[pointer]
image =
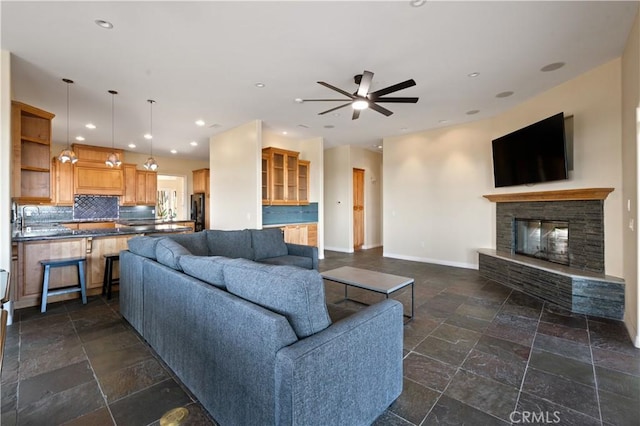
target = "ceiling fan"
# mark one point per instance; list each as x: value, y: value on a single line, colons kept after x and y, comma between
x: 363, y: 99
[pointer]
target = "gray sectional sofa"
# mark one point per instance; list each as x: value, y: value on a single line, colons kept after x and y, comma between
x: 249, y: 334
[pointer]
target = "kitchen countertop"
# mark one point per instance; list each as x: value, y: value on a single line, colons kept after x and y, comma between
x: 54, y: 232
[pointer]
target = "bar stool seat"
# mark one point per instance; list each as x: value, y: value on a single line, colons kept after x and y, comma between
x: 80, y: 263
x: 108, y: 279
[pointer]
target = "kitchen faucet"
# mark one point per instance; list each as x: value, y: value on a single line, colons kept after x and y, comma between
x: 22, y: 218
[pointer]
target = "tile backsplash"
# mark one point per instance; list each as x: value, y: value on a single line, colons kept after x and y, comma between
x: 280, y: 215
x: 95, y: 207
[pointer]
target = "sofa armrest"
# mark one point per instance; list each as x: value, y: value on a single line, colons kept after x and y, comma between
x: 348, y: 373
x: 305, y: 251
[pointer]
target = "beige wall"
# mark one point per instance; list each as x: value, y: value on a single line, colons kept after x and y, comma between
x: 235, y: 164
x: 5, y: 166
x: 630, y: 132
x: 434, y: 180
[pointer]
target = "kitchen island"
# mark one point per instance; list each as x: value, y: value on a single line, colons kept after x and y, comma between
x: 53, y: 241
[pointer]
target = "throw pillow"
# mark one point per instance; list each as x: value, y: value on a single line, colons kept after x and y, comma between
x: 296, y: 293
x: 143, y: 246
x: 168, y: 253
x: 268, y: 243
x: 207, y: 269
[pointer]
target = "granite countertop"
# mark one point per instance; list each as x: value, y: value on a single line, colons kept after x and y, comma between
x: 54, y: 232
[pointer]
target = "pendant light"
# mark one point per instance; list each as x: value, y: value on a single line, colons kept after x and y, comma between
x: 112, y: 158
x: 67, y: 154
x: 151, y: 163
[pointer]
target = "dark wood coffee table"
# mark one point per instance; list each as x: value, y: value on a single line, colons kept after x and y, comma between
x: 369, y: 280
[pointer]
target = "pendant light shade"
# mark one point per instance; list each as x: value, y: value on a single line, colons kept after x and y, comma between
x: 151, y: 163
x: 112, y: 159
x: 67, y: 154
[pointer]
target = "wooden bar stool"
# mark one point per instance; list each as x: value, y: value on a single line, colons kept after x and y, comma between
x: 108, y: 279
x: 79, y: 262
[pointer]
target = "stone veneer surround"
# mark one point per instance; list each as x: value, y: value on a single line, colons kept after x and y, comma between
x: 586, y: 227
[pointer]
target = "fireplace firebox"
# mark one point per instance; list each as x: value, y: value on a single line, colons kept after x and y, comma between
x: 543, y: 239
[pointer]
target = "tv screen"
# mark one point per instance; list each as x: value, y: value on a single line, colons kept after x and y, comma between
x: 533, y: 154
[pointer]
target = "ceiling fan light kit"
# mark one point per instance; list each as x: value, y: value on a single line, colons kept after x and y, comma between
x: 363, y: 99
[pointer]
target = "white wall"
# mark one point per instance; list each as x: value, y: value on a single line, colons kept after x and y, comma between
x: 630, y: 139
x: 338, y: 220
x: 371, y: 162
x: 5, y: 166
x: 434, y: 180
x: 235, y: 164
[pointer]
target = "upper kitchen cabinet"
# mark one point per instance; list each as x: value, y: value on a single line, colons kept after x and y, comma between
x: 303, y: 182
x: 31, y: 153
x: 130, y: 185
x: 61, y: 183
x: 93, y: 176
x: 201, y: 181
x: 146, y: 187
x: 281, y: 176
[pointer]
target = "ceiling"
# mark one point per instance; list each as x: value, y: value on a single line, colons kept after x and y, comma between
x: 202, y: 60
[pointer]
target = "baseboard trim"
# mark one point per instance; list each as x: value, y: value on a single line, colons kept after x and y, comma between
x: 340, y: 249
x: 429, y: 260
x: 633, y: 331
x: 367, y: 247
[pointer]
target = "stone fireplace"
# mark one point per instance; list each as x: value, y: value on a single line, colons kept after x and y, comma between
x: 551, y: 245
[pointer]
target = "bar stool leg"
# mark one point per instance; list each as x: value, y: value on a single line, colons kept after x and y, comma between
x: 105, y: 278
x: 45, y: 289
x: 83, y: 288
x: 110, y: 279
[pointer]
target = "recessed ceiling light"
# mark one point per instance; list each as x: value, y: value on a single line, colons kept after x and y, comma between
x: 90, y: 126
x: 132, y: 145
x: 552, y: 67
x: 148, y: 136
x: 504, y: 94
x: 473, y: 111
x: 79, y: 138
x: 200, y: 123
x: 193, y: 143
x: 260, y: 85
x: 417, y: 3
x: 103, y: 24
x: 284, y: 133
x: 173, y: 151
x: 379, y: 146
x: 473, y: 74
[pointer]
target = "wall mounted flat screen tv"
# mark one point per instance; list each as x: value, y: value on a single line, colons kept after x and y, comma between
x: 533, y: 154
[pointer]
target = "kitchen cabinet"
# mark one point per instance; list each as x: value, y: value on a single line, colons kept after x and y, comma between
x: 266, y: 183
x: 305, y: 234
x: 130, y: 185
x: 95, y: 154
x: 146, y: 187
x: 62, y: 183
x: 303, y: 182
x: 97, y: 247
x: 281, y: 176
x: 93, y: 179
x: 30, y: 154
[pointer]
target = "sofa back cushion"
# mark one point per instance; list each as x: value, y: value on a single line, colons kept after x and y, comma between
x: 143, y: 246
x: 268, y: 243
x: 232, y: 244
x: 205, y: 268
x: 295, y: 293
x: 195, y: 242
x: 168, y: 252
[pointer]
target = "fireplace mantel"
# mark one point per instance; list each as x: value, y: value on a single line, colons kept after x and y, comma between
x: 560, y: 195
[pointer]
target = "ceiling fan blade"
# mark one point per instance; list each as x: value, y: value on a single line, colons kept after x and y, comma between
x: 347, y: 94
x: 365, y: 84
x: 333, y: 109
x: 324, y: 100
x: 380, y: 109
x: 391, y: 89
x: 398, y: 100
x: 356, y: 114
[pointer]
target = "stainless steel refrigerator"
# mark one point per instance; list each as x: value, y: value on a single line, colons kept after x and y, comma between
x: 198, y: 211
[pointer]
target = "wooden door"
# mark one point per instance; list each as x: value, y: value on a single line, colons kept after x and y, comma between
x: 358, y: 208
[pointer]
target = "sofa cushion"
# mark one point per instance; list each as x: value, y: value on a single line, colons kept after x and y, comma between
x: 195, y: 242
x: 299, y: 261
x: 205, y: 268
x: 268, y: 243
x: 168, y: 253
x: 232, y: 244
x: 296, y: 293
x: 143, y: 246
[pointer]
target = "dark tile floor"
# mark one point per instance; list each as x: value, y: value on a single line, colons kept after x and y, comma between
x: 476, y: 353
